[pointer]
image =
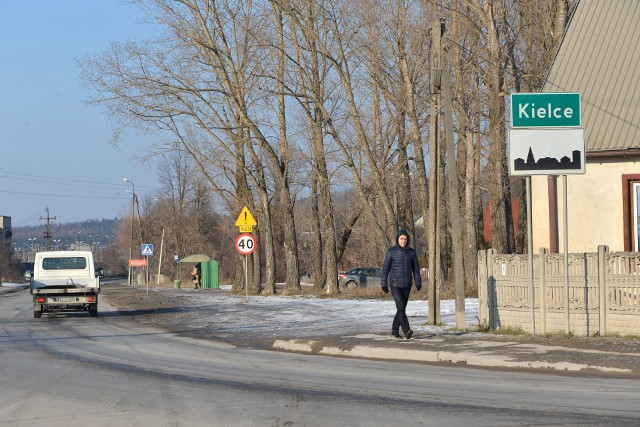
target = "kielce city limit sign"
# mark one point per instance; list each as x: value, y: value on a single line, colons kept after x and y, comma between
x: 546, y: 137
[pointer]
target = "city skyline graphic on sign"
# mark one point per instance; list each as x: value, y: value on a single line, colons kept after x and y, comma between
x: 548, y: 163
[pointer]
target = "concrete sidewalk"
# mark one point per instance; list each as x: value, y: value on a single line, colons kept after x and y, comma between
x: 617, y: 357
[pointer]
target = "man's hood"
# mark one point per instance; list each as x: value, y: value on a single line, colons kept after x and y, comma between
x: 403, y: 233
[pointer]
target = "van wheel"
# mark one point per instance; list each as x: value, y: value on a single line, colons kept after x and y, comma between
x: 37, y: 314
x: 93, y: 310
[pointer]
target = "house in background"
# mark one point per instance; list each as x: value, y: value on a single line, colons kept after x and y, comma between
x: 5, y: 227
x: 599, y: 57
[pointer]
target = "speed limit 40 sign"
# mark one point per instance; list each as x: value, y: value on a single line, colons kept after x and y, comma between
x: 245, y: 244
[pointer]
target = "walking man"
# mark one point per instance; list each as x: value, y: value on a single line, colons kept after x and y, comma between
x: 399, y: 268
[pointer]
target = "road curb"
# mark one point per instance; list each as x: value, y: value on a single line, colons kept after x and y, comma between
x: 431, y: 356
x: 11, y: 289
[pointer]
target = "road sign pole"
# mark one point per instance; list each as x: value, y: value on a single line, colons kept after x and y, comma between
x: 147, y: 274
x: 532, y: 292
x: 566, y: 253
x: 246, y: 279
x: 245, y: 245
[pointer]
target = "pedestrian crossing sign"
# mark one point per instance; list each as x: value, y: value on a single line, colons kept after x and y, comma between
x: 147, y: 249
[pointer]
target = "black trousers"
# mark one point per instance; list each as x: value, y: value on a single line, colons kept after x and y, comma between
x: 401, y: 297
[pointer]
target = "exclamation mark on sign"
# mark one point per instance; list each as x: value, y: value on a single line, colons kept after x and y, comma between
x: 245, y: 217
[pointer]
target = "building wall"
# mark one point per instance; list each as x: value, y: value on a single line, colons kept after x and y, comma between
x: 5, y: 227
x: 594, y: 206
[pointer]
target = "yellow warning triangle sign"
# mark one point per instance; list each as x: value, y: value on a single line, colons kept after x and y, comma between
x: 245, y: 218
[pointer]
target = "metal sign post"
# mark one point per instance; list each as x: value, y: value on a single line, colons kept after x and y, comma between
x: 246, y: 280
x: 245, y: 245
x: 532, y: 292
x: 147, y: 251
x: 245, y: 242
x: 147, y: 278
x: 566, y: 254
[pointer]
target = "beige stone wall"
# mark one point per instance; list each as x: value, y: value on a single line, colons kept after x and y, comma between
x: 580, y: 323
x: 594, y: 207
x: 601, y: 279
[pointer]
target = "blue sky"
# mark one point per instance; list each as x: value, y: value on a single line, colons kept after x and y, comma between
x: 55, y: 149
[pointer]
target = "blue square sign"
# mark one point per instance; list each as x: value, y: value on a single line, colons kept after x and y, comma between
x: 147, y: 249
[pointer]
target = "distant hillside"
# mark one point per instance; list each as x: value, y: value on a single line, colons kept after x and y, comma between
x: 102, y: 230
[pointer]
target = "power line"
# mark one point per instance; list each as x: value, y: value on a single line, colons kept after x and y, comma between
x: 70, y: 181
x: 63, y: 195
x: 504, y: 70
x: 48, y: 181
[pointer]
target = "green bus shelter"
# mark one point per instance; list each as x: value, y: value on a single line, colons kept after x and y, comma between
x: 208, y: 270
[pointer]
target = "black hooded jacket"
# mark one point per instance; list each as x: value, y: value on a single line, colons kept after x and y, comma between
x: 400, y: 265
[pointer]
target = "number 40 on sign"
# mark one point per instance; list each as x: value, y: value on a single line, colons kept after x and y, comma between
x: 245, y: 244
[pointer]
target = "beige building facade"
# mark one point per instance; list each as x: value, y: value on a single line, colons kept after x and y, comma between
x: 598, y: 58
x: 601, y: 208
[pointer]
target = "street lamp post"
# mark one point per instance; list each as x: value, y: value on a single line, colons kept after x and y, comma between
x: 133, y: 197
x: 77, y: 232
x: 32, y: 242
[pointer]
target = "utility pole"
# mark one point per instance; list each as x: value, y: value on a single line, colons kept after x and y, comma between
x: 47, y: 233
x: 441, y: 84
x: 454, y: 196
x: 133, y: 197
x: 146, y: 267
x: 160, y: 262
x: 434, y: 162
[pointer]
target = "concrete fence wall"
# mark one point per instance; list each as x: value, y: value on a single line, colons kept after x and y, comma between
x: 604, y: 292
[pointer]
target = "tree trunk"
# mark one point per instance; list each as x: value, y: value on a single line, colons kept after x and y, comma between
x: 318, y: 274
x: 470, y: 232
x: 327, y: 221
x: 292, y: 283
x: 499, y: 188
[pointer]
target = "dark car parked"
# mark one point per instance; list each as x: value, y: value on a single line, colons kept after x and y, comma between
x: 360, y: 277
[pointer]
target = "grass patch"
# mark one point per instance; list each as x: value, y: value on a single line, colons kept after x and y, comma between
x: 617, y: 335
x: 559, y: 334
x: 518, y: 331
x: 509, y: 330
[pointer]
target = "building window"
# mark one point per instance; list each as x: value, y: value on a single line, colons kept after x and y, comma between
x: 636, y: 212
x: 631, y: 212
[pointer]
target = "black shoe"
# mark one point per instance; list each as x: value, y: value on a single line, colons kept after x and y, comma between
x: 409, y: 334
x: 396, y: 334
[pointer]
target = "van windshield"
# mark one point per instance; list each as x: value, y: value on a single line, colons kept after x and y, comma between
x: 66, y: 263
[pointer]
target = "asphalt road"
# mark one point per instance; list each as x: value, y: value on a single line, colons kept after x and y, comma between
x: 75, y: 370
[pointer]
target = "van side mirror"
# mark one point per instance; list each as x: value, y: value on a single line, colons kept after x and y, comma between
x: 100, y: 272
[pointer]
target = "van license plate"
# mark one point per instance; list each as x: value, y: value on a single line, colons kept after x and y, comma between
x: 66, y: 299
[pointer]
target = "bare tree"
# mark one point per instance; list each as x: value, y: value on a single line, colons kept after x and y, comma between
x: 205, y: 93
x: 238, y: 86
